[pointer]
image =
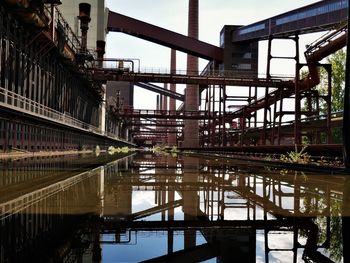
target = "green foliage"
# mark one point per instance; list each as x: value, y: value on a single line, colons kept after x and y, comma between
x: 296, y: 156
x: 332, y: 209
x: 97, y: 150
x: 337, y: 61
x: 166, y: 150
x: 81, y: 147
x: 113, y: 150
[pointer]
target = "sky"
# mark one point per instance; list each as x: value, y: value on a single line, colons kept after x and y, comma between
x: 213, y: 15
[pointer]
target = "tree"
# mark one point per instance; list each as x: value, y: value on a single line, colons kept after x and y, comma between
x: 337, y: 61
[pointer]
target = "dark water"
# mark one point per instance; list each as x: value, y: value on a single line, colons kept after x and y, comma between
x: 154, y: 208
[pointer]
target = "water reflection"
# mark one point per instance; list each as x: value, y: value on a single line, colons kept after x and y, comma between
x: 165, y: 209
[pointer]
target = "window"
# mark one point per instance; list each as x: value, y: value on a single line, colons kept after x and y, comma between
x: 251, y: 29
x: 312, y: 12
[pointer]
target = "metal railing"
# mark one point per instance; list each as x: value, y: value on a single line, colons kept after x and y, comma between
x: 20, y: 103
x: 71, y: 38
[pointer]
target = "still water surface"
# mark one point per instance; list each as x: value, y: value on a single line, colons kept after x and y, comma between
x: 151, y: 208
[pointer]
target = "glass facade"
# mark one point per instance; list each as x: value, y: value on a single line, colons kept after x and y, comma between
x: 321, y: 9
x: 324, y: 9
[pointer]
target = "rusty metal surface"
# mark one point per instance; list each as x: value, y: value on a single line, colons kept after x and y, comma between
x: 161, y: 90
x: 167, y: 114
x: 114, y: 75
x: 140, y: 29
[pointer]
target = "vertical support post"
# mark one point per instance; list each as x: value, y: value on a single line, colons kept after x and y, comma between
x: 329, y: 103
x: 297, y: 126
x: 243, y: 124
x: 172, y: 102
x: 224, y: 139
x: 265, y: 116
x: 346, y: 113
x: 297, y: 134
x: 280, y: 117
x: 255, y: 113
x: 220, y: 116
x: 269, y: 57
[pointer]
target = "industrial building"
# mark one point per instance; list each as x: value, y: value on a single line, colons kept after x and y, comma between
x: 228, y: 194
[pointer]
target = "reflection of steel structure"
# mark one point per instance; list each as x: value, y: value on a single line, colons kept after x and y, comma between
x: 226, y: 205
x: 42, y: 202
x: 235, y: 202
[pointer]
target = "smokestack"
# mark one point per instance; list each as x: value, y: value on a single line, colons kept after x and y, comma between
x: 84, y: 17
x: 172, y: 102
x: 191, y: 129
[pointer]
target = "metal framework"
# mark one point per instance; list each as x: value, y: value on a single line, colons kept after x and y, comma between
x: 47, y: 98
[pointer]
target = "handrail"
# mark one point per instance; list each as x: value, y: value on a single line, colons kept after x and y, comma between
x: 72, y: 39
x: 12, y: 100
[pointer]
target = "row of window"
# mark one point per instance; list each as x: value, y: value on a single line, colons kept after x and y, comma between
x: 252, y: 29
x: 327, y: 8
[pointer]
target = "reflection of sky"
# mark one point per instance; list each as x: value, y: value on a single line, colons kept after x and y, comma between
x: 277, y: 240
x: 145, y: 245
x: 143, y: 200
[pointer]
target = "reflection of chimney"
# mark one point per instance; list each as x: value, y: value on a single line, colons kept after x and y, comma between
x: 84, y: 17
x: 100, y: 50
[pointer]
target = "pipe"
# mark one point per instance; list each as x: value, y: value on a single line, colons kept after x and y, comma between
x: 100, y: 50
x: 84, y: 17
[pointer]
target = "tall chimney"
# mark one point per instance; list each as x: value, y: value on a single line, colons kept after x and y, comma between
x: 172, y: 102
x: 191, y: 129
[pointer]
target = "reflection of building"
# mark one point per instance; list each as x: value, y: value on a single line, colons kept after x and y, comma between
x: 137, y: 202
x: 97, y: 26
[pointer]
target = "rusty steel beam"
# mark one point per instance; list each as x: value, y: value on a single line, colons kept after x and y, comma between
x: 152, y: 132
x: 166, y: 114
x: 166, y: 124
x: 121, y: 23
x: 113, y: 75
x: 161, y: 90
